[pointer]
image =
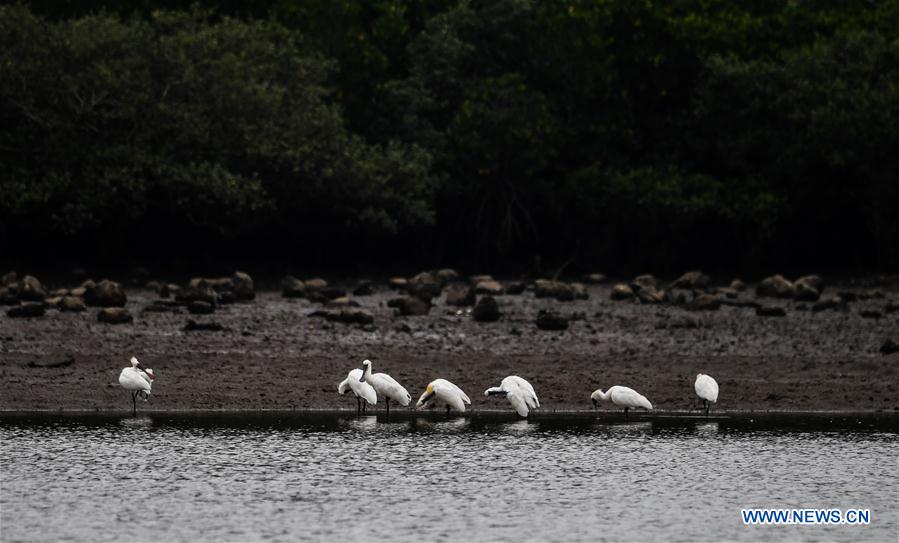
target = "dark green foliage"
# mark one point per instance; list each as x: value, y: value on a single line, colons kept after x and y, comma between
x: 626, y: 134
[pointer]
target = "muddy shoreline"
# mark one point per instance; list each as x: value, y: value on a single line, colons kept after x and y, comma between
x: 273, y: 355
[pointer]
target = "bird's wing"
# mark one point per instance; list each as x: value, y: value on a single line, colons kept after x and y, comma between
x: 130, y: 380
x: 628, y: 397
x: 707, y: 388
x: 530, y: 396
x: 364, y: 391
x: 518, y: 402
x: 451, y: 395
x: 344, y: 386
x: 387, y: 386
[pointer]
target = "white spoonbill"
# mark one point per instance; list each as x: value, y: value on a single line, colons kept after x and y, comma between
x: 355, y: 381
x: 622, y: 397
x: 386, y: 386
x: 519, y: 392
x: 138, y: 380
x: 441, y: 392
x: 707, y: 390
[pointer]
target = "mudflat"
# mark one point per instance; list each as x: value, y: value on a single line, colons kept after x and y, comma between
x: 274, y: 354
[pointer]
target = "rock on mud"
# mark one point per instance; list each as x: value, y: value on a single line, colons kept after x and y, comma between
x: 410, y: 306
x: 491, y: 287
x: 692, y: 280
x: 765, y: 311
x: 106, y: 293
x: 550, y: 320
x: 115, y: 315
x: 621, y: 292
x: 26, y: 310
x: 460, y: 295
x: 31, y: 290
x: 198, y: 307
x: 775, y: 286
x: 487, y: 310
x: 291, y: 287
x: 706, y: 302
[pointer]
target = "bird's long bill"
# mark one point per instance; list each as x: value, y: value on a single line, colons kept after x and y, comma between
x: 424, y: 399
x: 362, y: 379
x: 150, y: 374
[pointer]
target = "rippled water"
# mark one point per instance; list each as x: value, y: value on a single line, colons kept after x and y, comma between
x: 327, y: 477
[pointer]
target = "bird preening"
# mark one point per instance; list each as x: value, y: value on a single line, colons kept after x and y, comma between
x: 518, y: 391
x: 138, y: 380
x: 368, y: 386
x: 442, y: 393
x: 707, y: 390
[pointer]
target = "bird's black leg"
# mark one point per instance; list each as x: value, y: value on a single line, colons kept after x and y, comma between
x: 134, y: 404
x: 447, y: 411
x: 364, y: 402
x: 387, y: 401
x: 625, y: 413
x: 707, y: 405
x: 358, y: 407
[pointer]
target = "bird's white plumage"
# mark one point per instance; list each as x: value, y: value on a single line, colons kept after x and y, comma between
x: 706, y: 388
x: 361, y: 390
x: 386, y: 386
x: 441, y: 392
x: 519, y: 392
x: 134, y: 378
x: 622, y: 397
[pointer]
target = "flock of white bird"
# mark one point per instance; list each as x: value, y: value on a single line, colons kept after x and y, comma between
x: 367, y: 387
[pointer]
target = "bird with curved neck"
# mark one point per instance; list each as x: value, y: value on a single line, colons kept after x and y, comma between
x: 625, y: 397
x: 138, y: 380
x: 364, y: 393
x: 385, y: 386
x: 441, y: 392
x: 518, y: 391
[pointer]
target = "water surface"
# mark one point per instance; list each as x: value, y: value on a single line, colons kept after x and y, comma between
x: 288, y: 477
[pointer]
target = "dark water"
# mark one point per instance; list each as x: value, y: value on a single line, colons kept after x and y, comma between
x: 328, y: 477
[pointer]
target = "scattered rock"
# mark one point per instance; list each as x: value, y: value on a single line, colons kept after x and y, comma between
x: 9, y: 278
x: 460, y: 295
x: 31, y: 290
x: 242, y: 286
x: 491, y: 287
x: 26, y: 310
x: 194, y: 326
x: 728, y: 292
x: 889, y: 347
x: 547, y: 288
x: 870, y: 314
x: 350, y: 315
x: 644, y: 281
x: 775, y: 286
x: 114, y: 315
x: 163, y: 306
x: 397, y: 283
x: 579, y: 291
x: 343, y: 301
x: 364, y: 288
x: 8, y: 296
x: 72, y: 304
x: 424, y: 290
x: 765, y: 311
x: 692, y: 280
x: 67, y: 361
x: 847, y: 295
x: 59, y: 293
x: 410, y: 306
x: 324, y: 295
x: 550, y: 320
x: 446, y: 275
x: 834, y: 302
x: 814, y: 281
x: 738, y: 285
x: 197, y: 291
x: 106, y: 293
x: 475, y: 279
x: 315, y: 284
x: 805, y: 292
x: 594, y: 278
x: 706, y: 302
x: 291, y: 287
x: 198, y: 307
x: 651, y: 295
x: 515, y: 288
x: 892, y: 306
x: 622, y: 292
x: 487, y: 310
x: 872, y: 294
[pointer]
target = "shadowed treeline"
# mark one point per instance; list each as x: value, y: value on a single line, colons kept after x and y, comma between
x: 628, y: 135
